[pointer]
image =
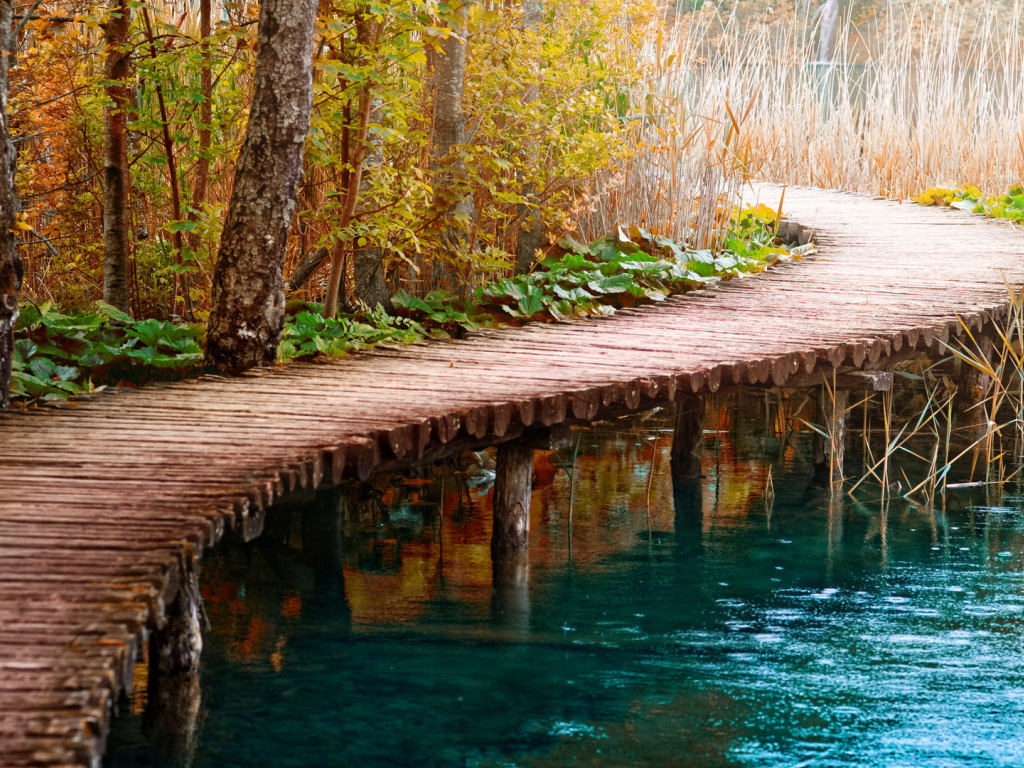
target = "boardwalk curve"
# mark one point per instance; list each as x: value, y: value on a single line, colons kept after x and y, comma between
x: 101, y: 500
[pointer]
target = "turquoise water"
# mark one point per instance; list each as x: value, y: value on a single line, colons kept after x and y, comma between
x: 712, y: 627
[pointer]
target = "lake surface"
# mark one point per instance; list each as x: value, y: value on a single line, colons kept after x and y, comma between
x: 680, y: 624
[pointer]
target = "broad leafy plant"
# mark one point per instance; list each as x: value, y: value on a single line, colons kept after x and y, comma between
x: 1006, y: 206
x: 59, y: 355
x: 632, y: 266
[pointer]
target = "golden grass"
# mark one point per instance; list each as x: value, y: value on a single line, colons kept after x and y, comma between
x: 912, y: 99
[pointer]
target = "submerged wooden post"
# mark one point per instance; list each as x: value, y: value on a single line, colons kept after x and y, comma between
x: 172, y: 713
x: 179, y: 643
x: 973, y: 386
x: 512, y: 499
x: 172, y: 717
x: 510, y: 599
x: 688, y: 499
x: 688, y: 436
x: 829, y: 451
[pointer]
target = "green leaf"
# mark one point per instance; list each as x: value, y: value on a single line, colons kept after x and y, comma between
x: 112, y: 312
x: 531, y: 304
x: 33, y: 386
x: 43, y: 367
x: 24, y: 349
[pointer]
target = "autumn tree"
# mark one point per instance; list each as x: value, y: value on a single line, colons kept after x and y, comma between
x: 247, y: 305
x: 201, y: 179
x: 10, y: 263
x: 531, y: 231
x: 117, y: 227
x: 449, y: 131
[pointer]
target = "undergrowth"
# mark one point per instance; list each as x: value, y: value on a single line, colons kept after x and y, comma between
x: 59, y: 355
x: 1006, y: 206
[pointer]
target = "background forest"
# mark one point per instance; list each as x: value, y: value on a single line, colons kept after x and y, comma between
x: 455, y: 145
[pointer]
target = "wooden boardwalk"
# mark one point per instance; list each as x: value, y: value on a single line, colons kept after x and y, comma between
x: 99, y: 498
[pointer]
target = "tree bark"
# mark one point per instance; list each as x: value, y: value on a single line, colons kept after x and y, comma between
x: 370, y: 286
x: 307, y: 265
x: 10, y: 262
x: 201, y: 179
x: 334, y: 280
x: 247, y: 306
x: 117, y: 223
x: 449, y: 130
x: 531, y: 231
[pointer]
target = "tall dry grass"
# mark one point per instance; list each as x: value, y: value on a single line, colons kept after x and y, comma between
x: 911, y: 99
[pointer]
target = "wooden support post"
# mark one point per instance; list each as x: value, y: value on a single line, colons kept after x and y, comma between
x: 510, y: 599
x: 973, y: 387
x: 688, y: 498
x: 172, y: 717
x: 172, y: 713
x: 179, y: 643
x: 512, y: 499
x: 689, y: 434
x: 829, y: 451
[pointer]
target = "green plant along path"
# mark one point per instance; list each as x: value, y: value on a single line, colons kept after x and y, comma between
x: 59, y: 355
x: 1007, y: 206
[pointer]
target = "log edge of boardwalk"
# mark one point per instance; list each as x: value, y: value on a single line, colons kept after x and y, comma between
x: 104, y: 500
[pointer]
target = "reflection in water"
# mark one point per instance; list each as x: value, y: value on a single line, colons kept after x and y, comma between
x: 716, y: 626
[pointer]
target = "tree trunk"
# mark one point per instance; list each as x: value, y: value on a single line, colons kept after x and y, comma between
x: 247, y: 306
x: 10, y: 263
x: 368, y: 263
x: 117, y: 223
x: 366, y: 33
x: 449, y: 130
x: 531, y: 230
x: 172, y: 173
x: 307, y: 265
x: 201, y: 180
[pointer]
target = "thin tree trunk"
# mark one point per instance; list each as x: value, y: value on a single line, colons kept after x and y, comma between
x: 366, y: 32
x: 201, y: 180
x: 172, y: 172
x: 348, y: 209
x: 10, y: 263
x: 117, y: 226
x: 531, y: 231
x: 247, y: 305
x: 307, y: 265
x: 369, y: 285
x: 449, y: 130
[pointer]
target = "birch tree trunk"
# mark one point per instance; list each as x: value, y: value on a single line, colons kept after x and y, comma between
x: 247, y: 305
x: 449, y: 130
x: 531, y: 231
x: 10, y: 263
x: 368, y: 263
x: 117, y: 221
